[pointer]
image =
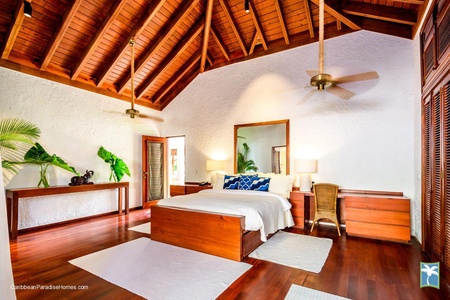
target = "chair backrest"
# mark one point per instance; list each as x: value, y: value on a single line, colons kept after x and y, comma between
x: 326, y: 196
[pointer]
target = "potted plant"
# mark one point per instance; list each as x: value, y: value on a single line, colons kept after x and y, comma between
x: 117, y: 166
x: 16, y: 138
x: 243, y: 163
x: 38, y: 156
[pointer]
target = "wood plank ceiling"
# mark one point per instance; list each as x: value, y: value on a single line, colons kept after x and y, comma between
x: 85, y: 43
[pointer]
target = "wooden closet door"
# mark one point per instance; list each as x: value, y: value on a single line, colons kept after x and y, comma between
x: 446, y: 172
x: 427, y: 173
x: 436, y: 180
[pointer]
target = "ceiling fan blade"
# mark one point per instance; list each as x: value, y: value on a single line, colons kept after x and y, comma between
x: 312, y: 73
x: 340, y: 92
x: 151, y: 118
x: 357, y: 77
x: 307, y: 96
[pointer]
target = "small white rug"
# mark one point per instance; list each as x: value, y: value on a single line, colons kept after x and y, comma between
x: 297, y: 292
x: 155, y: 270
x: 144, y: 228
x: 295, y: 250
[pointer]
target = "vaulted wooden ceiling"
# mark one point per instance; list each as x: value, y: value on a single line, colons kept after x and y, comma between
x: 85, y: 43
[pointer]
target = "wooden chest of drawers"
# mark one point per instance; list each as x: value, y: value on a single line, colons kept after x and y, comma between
x: 384, y: 218
x: 300, y: 209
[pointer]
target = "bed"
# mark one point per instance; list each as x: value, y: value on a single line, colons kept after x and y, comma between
x: 226, y: 223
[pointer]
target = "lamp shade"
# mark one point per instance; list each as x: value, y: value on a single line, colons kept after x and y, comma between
x: 215, y: 165
x: 305, y: 166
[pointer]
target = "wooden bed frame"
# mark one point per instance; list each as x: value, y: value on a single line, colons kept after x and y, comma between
x: 213, y: 233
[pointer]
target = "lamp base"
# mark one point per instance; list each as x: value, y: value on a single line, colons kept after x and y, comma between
x: 305, y: 182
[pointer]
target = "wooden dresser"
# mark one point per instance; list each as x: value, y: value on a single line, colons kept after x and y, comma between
x: 384, y: 218
x: 369, y: 214
x: 185, y: 189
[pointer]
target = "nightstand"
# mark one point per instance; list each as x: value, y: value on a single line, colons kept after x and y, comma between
x: 300, y: 208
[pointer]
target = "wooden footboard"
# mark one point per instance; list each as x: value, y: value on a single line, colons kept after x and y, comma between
x: 217, y: 234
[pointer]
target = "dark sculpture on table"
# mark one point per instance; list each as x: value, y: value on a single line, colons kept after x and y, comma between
x: 79, y: 180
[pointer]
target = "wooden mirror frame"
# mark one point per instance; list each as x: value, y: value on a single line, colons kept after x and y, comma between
x: 286, y: 122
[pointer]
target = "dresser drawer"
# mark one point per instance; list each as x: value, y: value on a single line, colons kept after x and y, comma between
x: 378, y: 231
x: 372, y: 203
x: 378, y: 216
x: 299, y: 222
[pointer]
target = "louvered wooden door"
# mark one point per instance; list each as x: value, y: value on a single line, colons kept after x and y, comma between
x: 435, y: 63
x: 436, y: 176
x: 154, y: 164
x: 446, y: 173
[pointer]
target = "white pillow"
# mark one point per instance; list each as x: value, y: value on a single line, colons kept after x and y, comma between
x: 281, y: 184
x: 218, y: 185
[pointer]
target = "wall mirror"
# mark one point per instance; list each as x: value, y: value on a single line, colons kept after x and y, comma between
x: 265, y: 143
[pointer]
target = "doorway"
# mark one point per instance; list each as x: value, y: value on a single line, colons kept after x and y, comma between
x: 154, y: 166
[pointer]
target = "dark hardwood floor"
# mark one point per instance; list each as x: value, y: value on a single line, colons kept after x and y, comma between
x: 356, y: 268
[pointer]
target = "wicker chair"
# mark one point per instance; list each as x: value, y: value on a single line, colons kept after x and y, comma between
x: 325, y: 204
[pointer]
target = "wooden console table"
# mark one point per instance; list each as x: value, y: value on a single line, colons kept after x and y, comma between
x: 13, y: 196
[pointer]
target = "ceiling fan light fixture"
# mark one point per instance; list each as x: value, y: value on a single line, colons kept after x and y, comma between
x: 132, y: 112
x: 27, y: 9
x: 247, y: 6
x: 321, y: 81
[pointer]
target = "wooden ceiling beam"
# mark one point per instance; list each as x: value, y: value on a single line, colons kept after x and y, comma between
x: 166, y: 32
x: 331, y: 9
x: 206, y: 32
x: 254, y: 43
x: 416, y: 2
x: 219, y: 43
x: 258, y: 25
x: 393, y: 29
x: 175, y: 53
x: 233, y: 25
x: 282, y: 21
x: 177, y: 77
x: 390, y: 14
x: 297, y: 40
x: 57, y: 36
x: 309, y: 18
x: 146, y: 18
x: 113, y: 12
x: 13, y: 30
x: 189, y: 76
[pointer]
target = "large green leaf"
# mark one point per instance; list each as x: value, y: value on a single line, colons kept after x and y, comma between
x: 16, y: 138
x: 118, y: 167
x: 38, y: 156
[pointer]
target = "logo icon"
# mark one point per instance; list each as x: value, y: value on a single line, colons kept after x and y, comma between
x: 429, y: 274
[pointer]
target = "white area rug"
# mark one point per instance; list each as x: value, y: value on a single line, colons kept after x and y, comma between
x: 301, y: 292
x: 295, y: 250
x: 155, y: 270
x: 144, y: 228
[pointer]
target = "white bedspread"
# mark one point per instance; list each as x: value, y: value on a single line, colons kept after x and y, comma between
x: 263, y: 211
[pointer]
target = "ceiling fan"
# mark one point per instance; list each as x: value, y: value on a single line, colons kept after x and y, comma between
x: 323, y: 81
x: 132, y: 112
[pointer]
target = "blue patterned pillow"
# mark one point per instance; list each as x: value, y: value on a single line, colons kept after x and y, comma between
x: 262, y: 184
x: 246, y: 181
x: 231, y: 182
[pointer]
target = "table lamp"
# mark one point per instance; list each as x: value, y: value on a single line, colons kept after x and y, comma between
x: 305, y: 167
x: 214, y: 166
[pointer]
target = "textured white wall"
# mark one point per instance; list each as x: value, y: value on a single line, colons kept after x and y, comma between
x: 368, y: 142
x: 74, y: 124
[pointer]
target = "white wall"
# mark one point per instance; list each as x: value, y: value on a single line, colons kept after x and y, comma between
x: 74, y: 124
x: 367, y: 142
